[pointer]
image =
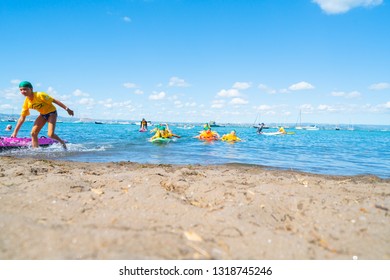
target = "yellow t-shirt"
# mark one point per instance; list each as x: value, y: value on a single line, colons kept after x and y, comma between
x: 42, y: 102
x: 230, y: 137
x: 282, y: 130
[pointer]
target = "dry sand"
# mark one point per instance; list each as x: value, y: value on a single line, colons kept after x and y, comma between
x: 72, y: 210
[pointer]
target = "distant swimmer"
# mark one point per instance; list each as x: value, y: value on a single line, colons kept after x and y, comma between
x: 8, y: 127
x: 144, y: 124
x: 260, y: 128
x: 282, y: 130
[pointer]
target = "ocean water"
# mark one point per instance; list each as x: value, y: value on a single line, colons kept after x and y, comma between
x: 365, y: 150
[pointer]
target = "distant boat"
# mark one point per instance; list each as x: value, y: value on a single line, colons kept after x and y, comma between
x: 84, y: 120
x: 98, y: 123
x: 299, y: 124
x: 254, y: 123
x: 213, y: 124
x: 10, y: 118
x: 311, y: 127
x: 259, y: 124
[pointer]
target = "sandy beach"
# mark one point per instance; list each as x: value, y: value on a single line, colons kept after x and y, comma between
x: 72, y: 210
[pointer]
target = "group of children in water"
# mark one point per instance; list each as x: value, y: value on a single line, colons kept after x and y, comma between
x: 163, y: 131
x: 208, y: 134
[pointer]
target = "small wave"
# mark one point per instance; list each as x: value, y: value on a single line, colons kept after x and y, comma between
x: 55, y: 150
x: 87, y: 147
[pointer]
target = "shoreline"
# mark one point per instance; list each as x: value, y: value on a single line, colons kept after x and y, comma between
x: 123, y: 210
x: 238, y: 164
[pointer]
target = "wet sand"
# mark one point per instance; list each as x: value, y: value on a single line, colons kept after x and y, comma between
x: 72, y: 210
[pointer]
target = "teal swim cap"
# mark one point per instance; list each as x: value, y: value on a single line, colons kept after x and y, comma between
x: 25, y: 84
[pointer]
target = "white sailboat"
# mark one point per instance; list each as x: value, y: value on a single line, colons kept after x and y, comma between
x: 311, y: 127
x: 255, y: 122
x: 299, y: 124
x: 350, y: 126
x: 257, y: 125
x: 300, y: 127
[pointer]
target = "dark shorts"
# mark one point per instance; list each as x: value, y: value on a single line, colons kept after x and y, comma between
x: 46, y: 116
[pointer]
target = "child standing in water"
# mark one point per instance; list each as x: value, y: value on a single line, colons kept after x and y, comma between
x: 43, y: 103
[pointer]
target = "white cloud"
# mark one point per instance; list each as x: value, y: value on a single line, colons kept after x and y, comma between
x: 129, y: 85
x: 173, y: 97
x: 379, y: 86
x: 228, y: 93
x: 352, y: 94
x: 337, y: 93
x: 10, y: 93
x: 107, y: 103
x: 387, y: 105
x: 178, y: 104
x: 238, y: 101
x: 301, y: 86
x: 157, y: 96
x: 87, y: 101
x: 218, y: 104
x: 266, y: 89
x: 306, y: 108
x: 343, y: 6
x: 51, y: 91
x: 177, y: 82
x: 190, y: 104
x: 6, y: 106
x: 263, y: 108
x: 326, y: 108
x: 79, y: 92
x: 241, y: 85
x: 126, y: 19
x: 138, y: 91
x: 110, y: 104
x: 283, y: 90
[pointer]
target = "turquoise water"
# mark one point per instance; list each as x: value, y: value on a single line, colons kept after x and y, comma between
x: 365, y: 150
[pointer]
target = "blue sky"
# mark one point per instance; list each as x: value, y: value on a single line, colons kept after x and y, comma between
x: 196, y: 61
